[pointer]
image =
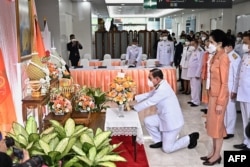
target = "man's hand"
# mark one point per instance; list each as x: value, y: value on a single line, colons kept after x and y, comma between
x: 233, y: 95
x: 25, y: 156
x: 218, y: 109
x: 3, y: 147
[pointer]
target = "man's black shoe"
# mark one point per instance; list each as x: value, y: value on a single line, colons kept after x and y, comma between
x: 189, y: 102
x: 204, y: 110
x: 194, y: 105
x: 193, y: 140
x: 240, y: 146
x: 229, y: 136
x: 156, y: 145
x: 245, y: 149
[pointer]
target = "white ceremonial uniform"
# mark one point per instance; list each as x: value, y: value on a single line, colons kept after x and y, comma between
x: 184, y: 62
x: 165, y: 52
x: 231, y: 114
x: 166, y: 125
x: 243, y: 93
x: 238, y: 49
x: 194, y: 70
x: 134, y: 53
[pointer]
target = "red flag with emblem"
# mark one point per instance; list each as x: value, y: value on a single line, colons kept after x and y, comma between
x: 7, y: 109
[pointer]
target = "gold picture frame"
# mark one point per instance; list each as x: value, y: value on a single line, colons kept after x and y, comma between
x: 24, y: 29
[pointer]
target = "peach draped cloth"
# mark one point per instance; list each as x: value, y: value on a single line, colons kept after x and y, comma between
x: 99, y: 63
x: 7, y: 109
x: 103, y: 77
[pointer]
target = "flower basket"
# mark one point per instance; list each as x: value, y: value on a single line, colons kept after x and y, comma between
x: 122, y: 91
x: 84, y: 103
x: 59, y: 104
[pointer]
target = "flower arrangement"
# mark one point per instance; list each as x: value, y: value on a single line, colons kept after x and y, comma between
x: 59, y: 104
x: 53, y: 71
x: 122, y: 90
x: 85, y: 102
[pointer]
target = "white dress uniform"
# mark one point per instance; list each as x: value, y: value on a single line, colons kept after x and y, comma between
x: 231, y: 114
x: 243, y: 93
x: 184, y: 62
x: 165, y: 52
x: 166, y: 125
x: 134, y: 53
x: 238, y: 49
x: 194, y: 70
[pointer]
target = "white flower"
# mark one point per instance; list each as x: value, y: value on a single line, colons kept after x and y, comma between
x: 58, y: 105
x: 66, y: 110
x: 88, y: 108
x: 80, y: 103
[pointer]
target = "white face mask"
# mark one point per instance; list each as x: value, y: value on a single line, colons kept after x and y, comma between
x: 164, y: 38
x: 187, y: 43
x: 191, y: 48
x: 245, y: 48
x: 182, y: 40
x: 133, y: 45
x: 211, y: 48
x: 161, y: 38
x: 238, y: 39
x: 150, y: 83
x: 203, y: 38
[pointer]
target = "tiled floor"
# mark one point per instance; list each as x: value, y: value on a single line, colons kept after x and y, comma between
x: 190, y: 157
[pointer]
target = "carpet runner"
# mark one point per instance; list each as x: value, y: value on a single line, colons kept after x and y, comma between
x: 126, y: 150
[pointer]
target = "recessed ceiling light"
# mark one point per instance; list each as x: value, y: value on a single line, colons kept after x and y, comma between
x: 122, y: 4
x: 193, y: 10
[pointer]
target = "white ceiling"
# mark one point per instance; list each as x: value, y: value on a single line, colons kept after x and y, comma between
x: 132, y: 8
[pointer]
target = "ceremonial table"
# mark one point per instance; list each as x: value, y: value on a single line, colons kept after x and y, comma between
x: 102, y: 77
x: 128, y: 125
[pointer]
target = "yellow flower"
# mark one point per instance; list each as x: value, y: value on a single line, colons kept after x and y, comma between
x: 119, y: 88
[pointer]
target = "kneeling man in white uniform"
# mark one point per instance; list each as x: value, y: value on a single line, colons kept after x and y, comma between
x: 166, y: 124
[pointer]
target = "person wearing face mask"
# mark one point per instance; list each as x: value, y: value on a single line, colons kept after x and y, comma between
x: 166, y: 124
x: 231, y: 114
x: 73, y: 47
x: 218, y: 96
x: 165, y: 51
x: 134, y: 54
x: 238, y: 44
x: 243, y: 92
x: 184, y: 66
x: 194, y: 72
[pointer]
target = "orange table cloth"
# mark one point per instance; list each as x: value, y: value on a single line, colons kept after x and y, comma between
x: 103, y: 77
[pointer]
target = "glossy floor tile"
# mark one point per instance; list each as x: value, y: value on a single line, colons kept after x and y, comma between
x: 190, y: 157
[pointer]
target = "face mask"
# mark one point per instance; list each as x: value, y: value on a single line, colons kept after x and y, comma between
x: 133, y: 45
x: 187, y: 43
x: 182, y: 40
x: 203, y: 38
x: 161, y: 39
x: 238, y: 39
x: 164, y: 38
x: 191, y: 48
x: 150, y: 83
x: 245, y: 48
x: 211, y: 48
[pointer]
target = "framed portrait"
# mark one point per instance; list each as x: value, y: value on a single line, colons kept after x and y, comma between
x: 24, y: 40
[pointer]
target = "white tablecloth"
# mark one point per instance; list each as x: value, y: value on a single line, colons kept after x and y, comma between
x: 128, y: 125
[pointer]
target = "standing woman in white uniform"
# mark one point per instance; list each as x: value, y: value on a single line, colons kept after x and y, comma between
x: 165, y: 126
x: 231, y: 113
x: 243, y: 93
x: 184, y: 66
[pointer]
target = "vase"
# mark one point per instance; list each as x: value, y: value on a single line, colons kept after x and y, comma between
x: 121, y: 110
x: 82, y: 110
x: 61, y: 112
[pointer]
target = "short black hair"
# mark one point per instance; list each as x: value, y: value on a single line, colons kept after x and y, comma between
x: 230, y: 42
x: 157, y: 73
x: 5, y: 160
x: 219, y: 36
x: 71, y: 36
